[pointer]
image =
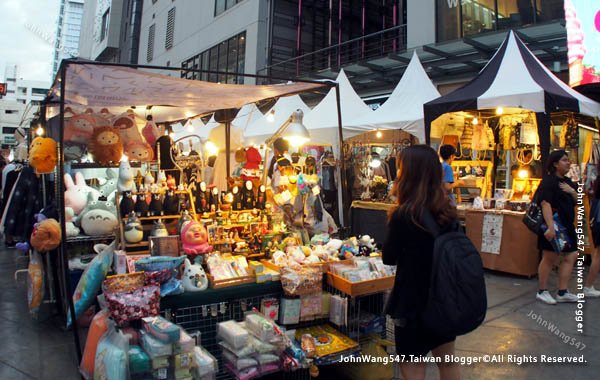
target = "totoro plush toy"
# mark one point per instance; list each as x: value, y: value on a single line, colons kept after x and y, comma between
x: 159, y: 229
x: 98, y: 217
x: 133, y: 229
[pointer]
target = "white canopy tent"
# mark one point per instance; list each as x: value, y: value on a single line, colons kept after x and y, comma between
x: 261, y: 129
x: 322, y: 121
x: 404, y: 108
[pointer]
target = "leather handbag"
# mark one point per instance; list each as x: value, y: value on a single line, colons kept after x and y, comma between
x: 534, y: 219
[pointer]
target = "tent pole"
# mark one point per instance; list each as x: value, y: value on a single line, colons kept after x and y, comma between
x: 543, y: 125
x: 60, y: 203
x: 343, y: 210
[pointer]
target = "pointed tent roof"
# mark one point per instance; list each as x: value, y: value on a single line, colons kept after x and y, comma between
x: 404, y: 108
x: 325, y: 115
x: 283, y: 108
x: 514, y: 77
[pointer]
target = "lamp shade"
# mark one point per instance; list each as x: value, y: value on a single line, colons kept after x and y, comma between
x: 296, y: 133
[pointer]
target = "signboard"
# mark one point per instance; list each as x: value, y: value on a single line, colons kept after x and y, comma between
x: 2, y: 89
x: 491, y: 233
x: 583, y: 41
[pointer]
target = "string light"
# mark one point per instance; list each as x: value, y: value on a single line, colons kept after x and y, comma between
x: 475, y: 121
x: 378, y: 134
x: 499, y: 111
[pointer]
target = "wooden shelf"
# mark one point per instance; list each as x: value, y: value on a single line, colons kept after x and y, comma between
x: 142, y: 218
x: 93, y: 165
x: 135, y: 245
x: 85, y: 238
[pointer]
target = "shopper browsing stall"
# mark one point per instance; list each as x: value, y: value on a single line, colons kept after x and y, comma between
x: 409, y: 245
x: 448, y: 153
x: 557, y: 195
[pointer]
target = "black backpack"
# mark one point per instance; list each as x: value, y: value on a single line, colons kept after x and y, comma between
x: 457, y: 300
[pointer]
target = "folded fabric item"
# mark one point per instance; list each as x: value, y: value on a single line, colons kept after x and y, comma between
x: 245, y: 374
x: 239, y: 363
x: 159, y: 276
x: 154, y: 347
x: 140, y: 303
x: 260, y: 346
x: 139, y: 361
x: 171, y: 287
x: 157, y: 263
x: 204, y: 363
x: 263, y: 359
x: 185, y: 344
x: 240, y: 353
x: 162, y: 329
x: 232, y: 333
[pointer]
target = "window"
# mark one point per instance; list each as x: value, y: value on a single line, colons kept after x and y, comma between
x: 10, y: 112
x: 150, y: 52
x: 8, y: 130
x: 223, y: 5
x: 227, y: 56
x: 170, y: 29
x: 39, y: 91
x: 105, y: 21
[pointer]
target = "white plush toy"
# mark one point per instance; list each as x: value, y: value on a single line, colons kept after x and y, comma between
x: 312, y: 259
x: 194, y: 278
x: 367, y: 241
x: 76, y: 193
x: 108, y: 185
x: 279, y: 258
x: 72, y: 229
x: 98, y: 218
x: 125, y: 182
x: 334, y: 246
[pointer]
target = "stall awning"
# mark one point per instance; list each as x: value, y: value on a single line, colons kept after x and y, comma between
x: 118, y: 88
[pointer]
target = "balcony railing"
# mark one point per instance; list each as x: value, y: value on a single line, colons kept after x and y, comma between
x: 378, y: 44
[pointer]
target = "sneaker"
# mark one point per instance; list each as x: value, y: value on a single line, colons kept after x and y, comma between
x: 591, y: 292
x: 545, y: 297
x: 567, y: 297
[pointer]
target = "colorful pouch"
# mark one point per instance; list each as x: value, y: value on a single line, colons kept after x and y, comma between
x: 127, y: 282
x: 140, y: 303
x: 157, y: 263
x: 159, y: 276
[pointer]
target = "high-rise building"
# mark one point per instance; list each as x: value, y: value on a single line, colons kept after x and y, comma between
x: 68, y: 29
x: 372, y: 40
x: 112, y: 31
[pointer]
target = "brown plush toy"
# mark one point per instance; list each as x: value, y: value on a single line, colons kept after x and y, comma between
x: 106, y: 145
x: 46, y: 235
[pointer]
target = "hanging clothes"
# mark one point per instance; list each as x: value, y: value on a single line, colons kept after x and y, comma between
x: 23, y: 203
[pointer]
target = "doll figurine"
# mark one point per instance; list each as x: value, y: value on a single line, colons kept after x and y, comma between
x: 127, y: 205
x: 156, y: 206
x: 194, y: 239
x: 171, y: 203
x: 141, y: 206
x: 261, y: 199
x: 202, y: 198
x: 237, y: 198
x: 214, y: 199
x: 159, y: 229
x: 248, y: 198
x: 133, y: 229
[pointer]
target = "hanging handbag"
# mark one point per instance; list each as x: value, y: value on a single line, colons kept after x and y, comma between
x: 534, y: 219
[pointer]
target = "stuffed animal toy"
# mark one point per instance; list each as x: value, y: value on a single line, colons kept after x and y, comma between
x: 366, y: 245
x: 139, y: 151
x: 161, y: 180
x: 193, y: 278
x: 251, y: 170
x: 349, y: 248
x: 71, y: 228
x: 171, y: 185
x: 78, y: 132
x: 108, y: 185
x: 126, y: 125
x: 46, y: 235
x: 125, y: 181
x: 139, y: 181
x: 159, y: 229
x: 333, y: 246
x: 156, y: 206
x: 106, y: 145
x: 171, y: 203
x: 76, y: 194
x: 141, y: 206
x: 151, y: 132
x: 42, y: 155
x: 133, y: 229
x: 98, y: 218
x: 127, y: 205
x: 194, y: 239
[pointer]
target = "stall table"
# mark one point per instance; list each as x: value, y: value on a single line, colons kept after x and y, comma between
x: 517, y: 252
x: 370, y: 218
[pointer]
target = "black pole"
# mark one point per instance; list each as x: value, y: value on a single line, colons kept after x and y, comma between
x: 60, y: 198
x: 344, y: 184
x: 228, y: 148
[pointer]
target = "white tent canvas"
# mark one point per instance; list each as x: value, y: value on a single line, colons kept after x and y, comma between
x: 261, y: 129
x: 404, y: 108
x: 247, y: 115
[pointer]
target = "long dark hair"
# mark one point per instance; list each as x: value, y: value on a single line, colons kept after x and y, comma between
x: 419, y: 186
x: 553, y: 158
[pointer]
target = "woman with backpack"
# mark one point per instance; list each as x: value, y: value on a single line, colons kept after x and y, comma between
x: 557, y: 196
x: 419, y: 189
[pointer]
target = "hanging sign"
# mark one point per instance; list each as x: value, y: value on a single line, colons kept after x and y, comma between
x: 491, y: 234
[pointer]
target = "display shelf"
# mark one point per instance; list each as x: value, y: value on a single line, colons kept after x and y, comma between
x: 93, y: 165
x: 85, y: 238
x: 135, y: 245
x: 142, y: 218
x: 361, y: 288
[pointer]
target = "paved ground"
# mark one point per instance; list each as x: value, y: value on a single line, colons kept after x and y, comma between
x: 42, y: 350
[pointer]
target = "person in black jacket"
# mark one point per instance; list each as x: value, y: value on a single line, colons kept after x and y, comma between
x: 418, y: 187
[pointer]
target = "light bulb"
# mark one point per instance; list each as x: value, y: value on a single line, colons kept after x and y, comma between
x: 379, y: 134
x: 523, y: 173
x: 271, y: 116
x: 39, y: 131
x: 375, y: 163
x: 211, y: 148
x: 499, y: 111
x: 475, y: 121
x: 296, y: 141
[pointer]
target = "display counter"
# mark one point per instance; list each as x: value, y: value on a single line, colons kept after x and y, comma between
x: 505, y: 244
x: 370, y: 218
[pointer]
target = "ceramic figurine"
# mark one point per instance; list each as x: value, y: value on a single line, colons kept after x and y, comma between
x: 214, y: 199
x: 171, y: 185
x: 261, y: 199
x: 133, y: 229
x: 159, y: 229
x: 194, y: 278
x: 156, y: 206
x: 194, y: 239
x: 171, y: 203
x: 248, y: 198
x: 237, y: 198
x: 141, y: 206
x: 183, y: 220
x: 202, y: 198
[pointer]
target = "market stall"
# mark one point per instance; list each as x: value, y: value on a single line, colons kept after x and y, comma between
x: 511, y: 106
x: 183, y: 256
